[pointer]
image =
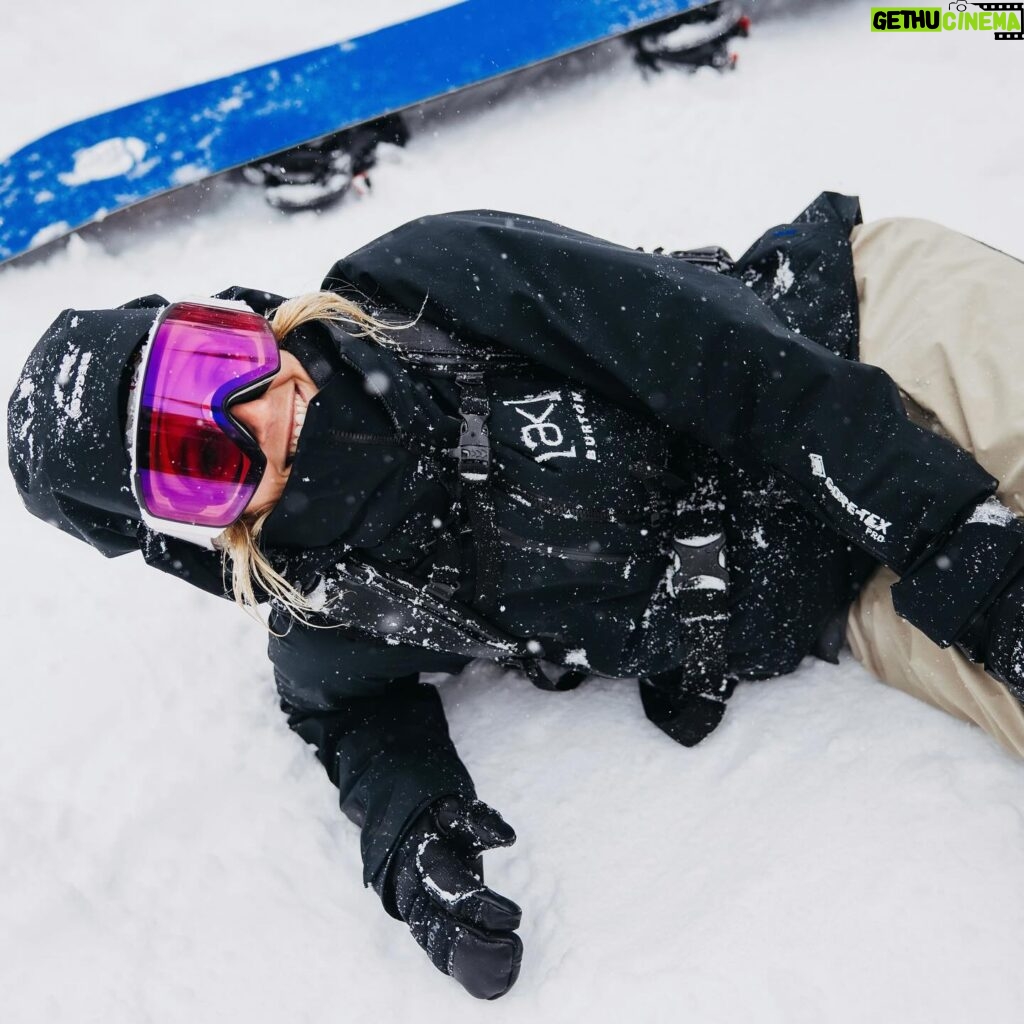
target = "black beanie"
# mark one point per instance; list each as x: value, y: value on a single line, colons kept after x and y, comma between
x: 65, y: 424
x: 66, y: 443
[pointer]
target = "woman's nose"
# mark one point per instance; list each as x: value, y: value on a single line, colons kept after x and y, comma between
x: 252, y: 413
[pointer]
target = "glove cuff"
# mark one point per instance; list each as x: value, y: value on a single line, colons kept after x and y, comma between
x: 945, y: 594
x: 383, y: 882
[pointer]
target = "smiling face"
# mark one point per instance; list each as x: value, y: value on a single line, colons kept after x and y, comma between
x: 275, y: 419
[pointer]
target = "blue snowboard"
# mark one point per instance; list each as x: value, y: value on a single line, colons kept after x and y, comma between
x: 91, y: 168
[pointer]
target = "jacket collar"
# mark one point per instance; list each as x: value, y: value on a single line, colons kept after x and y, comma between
x: 353, y: 479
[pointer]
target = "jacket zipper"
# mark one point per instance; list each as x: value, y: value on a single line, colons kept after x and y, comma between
x: 355, y: 438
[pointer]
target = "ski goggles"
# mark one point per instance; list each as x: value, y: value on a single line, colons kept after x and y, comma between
x: 194, y: 466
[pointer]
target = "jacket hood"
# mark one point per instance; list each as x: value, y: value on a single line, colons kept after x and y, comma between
x: 65, y: 424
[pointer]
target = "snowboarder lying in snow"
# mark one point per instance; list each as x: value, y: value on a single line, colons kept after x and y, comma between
x: 490, y: 436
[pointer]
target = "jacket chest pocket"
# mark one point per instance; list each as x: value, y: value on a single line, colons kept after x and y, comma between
x: 571, y: 456
x: 577, y: 527
x: 576, y: 580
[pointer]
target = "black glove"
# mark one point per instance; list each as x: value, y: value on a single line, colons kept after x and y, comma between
x: 435, y: 885
x: 969, y: 591
x: 995, y: 638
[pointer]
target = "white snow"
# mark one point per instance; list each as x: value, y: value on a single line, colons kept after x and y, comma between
x: 703, y: 583
x: 169, y: 852
x: 311, y: 193
x: 111, y: 158
x: 317, y: 597
x: 784, y: 277
x: 577, y: 657
x: 991, y: 512
x: 74, y: 409
x: 49, y: 233
x: 449, y: 897
x: 189, y: 173
x: 698, y: 541
x: 77, y: 361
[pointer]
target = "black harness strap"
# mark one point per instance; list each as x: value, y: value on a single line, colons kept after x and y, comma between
x: 474, y: 455
x: 446, y: 572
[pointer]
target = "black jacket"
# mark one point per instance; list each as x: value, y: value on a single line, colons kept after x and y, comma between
x: 755, y: 368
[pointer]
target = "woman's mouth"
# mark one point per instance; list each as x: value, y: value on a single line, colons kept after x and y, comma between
x: 298, y: 421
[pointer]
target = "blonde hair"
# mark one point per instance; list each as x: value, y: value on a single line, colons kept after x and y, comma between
x: 239, y: 543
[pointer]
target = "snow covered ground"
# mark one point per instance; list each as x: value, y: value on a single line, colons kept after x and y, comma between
x: 169, y: 852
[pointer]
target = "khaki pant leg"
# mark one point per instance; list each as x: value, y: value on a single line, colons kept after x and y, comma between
x: 943, y: 315
x: 903, y: 657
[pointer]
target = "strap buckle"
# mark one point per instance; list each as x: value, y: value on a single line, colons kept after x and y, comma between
x: 474, y: 448
x: 714, y: 257
x: 440, y: 590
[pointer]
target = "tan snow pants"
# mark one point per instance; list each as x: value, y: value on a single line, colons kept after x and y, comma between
x: 943, y: 315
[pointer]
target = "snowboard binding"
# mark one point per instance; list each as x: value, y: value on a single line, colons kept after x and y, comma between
x: 318, y: 173
x: 694, y: 39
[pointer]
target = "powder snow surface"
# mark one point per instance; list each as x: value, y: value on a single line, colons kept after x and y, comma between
x: 170, y: 852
